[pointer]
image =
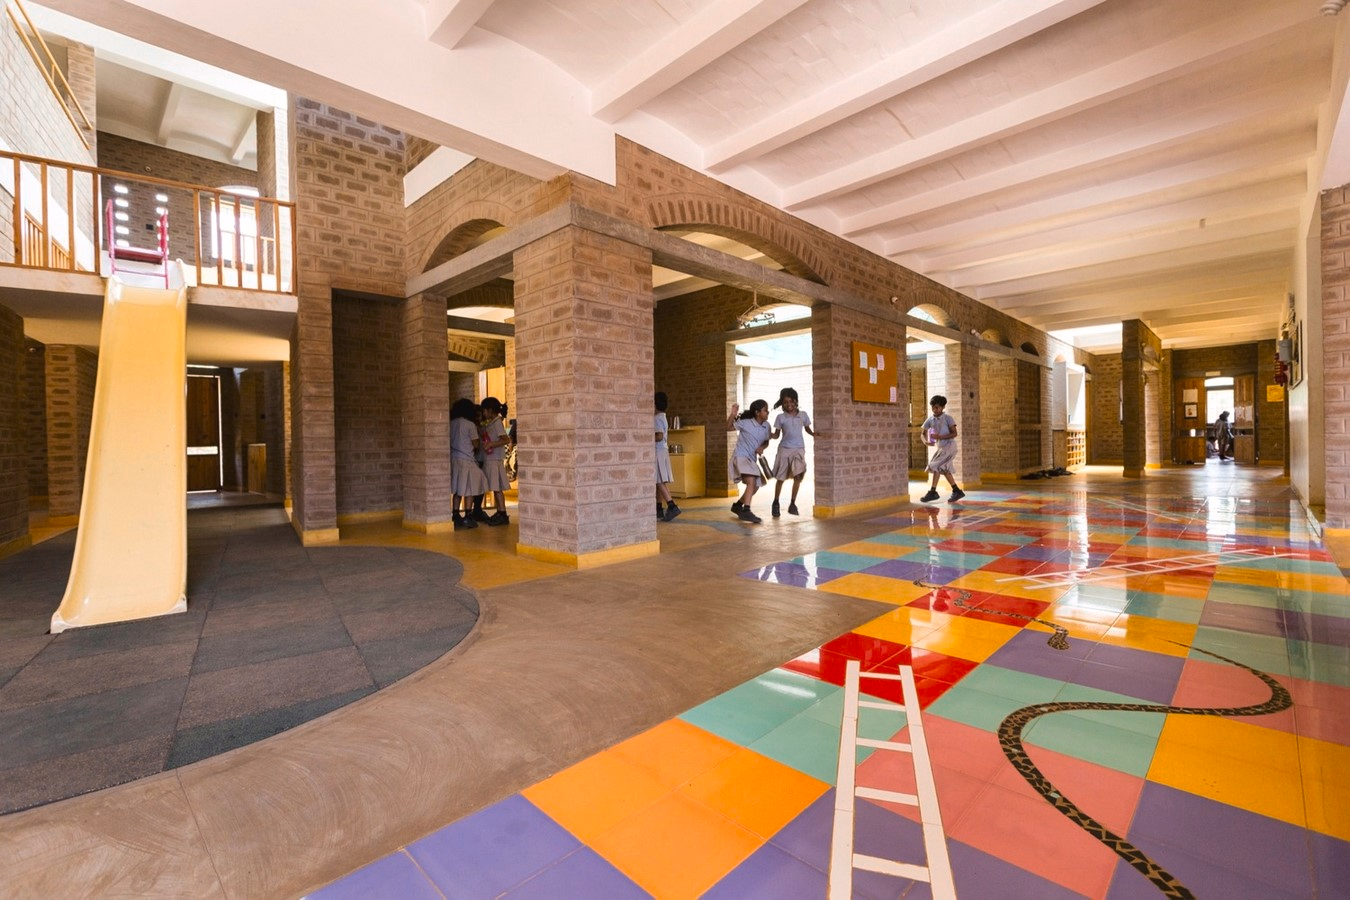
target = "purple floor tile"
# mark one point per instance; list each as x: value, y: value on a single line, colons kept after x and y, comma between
x: 492, y: 850
x: 1241, y: 617
x: 794, y: 574
x: 908, y: 570
x: 396, y: 877
x: 1027, y: 652
x: 581, y: 874
x: 1253, y: 847
x: 1330, y: 863
x: 1150, y: 686
x: 1201, y: 877
x: 1045, y: 554
x: 1323, y: 629
x: 770, y: 873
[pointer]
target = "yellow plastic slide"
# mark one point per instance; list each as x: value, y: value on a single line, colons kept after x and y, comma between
x: 131, y: 547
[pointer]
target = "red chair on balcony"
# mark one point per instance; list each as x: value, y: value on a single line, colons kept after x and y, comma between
x: 159, y: 257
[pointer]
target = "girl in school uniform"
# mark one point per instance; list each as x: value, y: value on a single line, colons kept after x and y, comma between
x: 494, y: 440
x: 790, y: 461
x: 466, y: 479
x: 752, y: 438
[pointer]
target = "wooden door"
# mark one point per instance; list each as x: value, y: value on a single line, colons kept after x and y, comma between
x: 203, y: 433
x: 1188, y: 421
x: 1244, y: 419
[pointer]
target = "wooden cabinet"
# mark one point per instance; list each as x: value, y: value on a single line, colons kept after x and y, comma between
x: 688, y: 456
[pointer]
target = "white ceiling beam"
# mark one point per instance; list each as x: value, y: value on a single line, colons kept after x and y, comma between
x: 244, y: 137
x: 1258, y: 284
x: 1152, y: 136
x: 1227, y: 38
x: 1156, y: 262
x: 1155, y: 305
x: 168, y: 113
x: 1283, y: 157
x: 448, y: 21
x: 987, y: 31
x: 1279, y: 213
x: 716, y: 29
x: 1250, y: 274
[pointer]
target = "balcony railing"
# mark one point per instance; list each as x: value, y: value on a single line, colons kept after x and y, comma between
x: 57, y: 217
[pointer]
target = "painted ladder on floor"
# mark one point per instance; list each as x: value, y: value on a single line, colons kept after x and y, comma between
x: 938, y: 872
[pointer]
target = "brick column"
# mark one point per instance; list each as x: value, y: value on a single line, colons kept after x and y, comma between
x: 1333, y: 339
x: 13, y: 436
x: 71, y: 373
x: 424, y: 383
x: 313, y: 428
x: 80, y: 73
x: 862, y: 457
x: 963, y: 405
x: 584, y: 374
x: 1135, y: 424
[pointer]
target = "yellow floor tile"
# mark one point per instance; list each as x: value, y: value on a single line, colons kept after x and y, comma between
x: 874, y: 587
x: 1242, y: 765
x: 756, y: 792
x: 902, y: 626
x: 1083, y: 631
x: 1008, y: 586
x: 965, y: 646
x: 596, y: 794
x: 1325, y: 767
x: 876, y: 548
x: 675, y: 752
x: 677, y: 848
x: 1154, y: 635
x: 965, y: 626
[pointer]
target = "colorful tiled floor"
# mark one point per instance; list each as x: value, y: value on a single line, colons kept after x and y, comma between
x: 734, y: 798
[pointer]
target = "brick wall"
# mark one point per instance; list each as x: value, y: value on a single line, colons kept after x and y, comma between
x: 584, y: 353
x: 1335, y: 338
x: 366, y: 389
x: 136, y: 158
x: 1257, y: 360
x: 31, y: 120
x: 35, y: 418
x: 1106, y: 435
x: 868, y: 460
x: 350, y: 236
x: 998, y: 411
x: 917, y: 368
x: 71, y: 373
x: 13, y: 431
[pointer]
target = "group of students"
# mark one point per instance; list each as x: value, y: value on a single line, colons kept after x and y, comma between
x: 753, y: 434
x: 478, y: 442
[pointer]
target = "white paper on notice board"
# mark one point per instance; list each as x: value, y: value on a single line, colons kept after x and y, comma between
x: 893, y: 396
x: 881, y: 361
x: 872, y: 376
x: 862, y: 359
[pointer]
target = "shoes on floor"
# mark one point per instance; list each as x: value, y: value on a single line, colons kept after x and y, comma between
x: 746, y: 515
x: 957, y: 494
x: 929, y: 497
x: 774, y: 510
x: 463, y: 522
x: 480, y: 516
x: 792, y: 509
x: 671, y: 512
x: 737, y: 507
x: 499, y: 518
x: 660, y: 513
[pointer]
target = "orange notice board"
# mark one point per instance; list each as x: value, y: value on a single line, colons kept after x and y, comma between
x: 876, y: 377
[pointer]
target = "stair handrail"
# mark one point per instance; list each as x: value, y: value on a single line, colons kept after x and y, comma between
x: 50, y: 60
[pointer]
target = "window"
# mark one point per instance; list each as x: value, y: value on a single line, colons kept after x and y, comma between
x: 235, y: 224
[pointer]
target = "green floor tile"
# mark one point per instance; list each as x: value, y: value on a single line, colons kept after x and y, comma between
x: 1094, y: 741
x: 807, y: 745
x: 751, y: 710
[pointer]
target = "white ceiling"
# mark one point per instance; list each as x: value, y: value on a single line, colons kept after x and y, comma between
x: 1071, y: 162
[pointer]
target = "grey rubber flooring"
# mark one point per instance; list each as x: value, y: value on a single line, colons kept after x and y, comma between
x: 275, y: 634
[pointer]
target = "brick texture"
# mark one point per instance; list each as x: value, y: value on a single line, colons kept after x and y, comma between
x: 14, y: 418
x: 71, y: 373
x: 1335, y: 341
x: 35, y: 419
x: 366, y: 390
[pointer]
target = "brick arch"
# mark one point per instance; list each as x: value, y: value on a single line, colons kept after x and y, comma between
x: 463, y: 236
x: 934, y: 303
x: 1029, y: 347
x: 785, y: 245
x: 996, y: 336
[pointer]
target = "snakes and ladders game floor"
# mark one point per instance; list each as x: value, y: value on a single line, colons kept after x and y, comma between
x: 1120, y: 698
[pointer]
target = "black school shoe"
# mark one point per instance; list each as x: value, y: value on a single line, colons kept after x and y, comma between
x: 929, y: 497
x: 498, y: 518
x: 671, y: 512
x: 957, y: 494
x: 747, y: 516
x: 462, y: 523
x: 775, y: 510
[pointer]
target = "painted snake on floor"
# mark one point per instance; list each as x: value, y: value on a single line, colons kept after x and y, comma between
x: 1010, y: 740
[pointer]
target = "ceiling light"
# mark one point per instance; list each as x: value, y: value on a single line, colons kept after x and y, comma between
x: 120, y: 188
x: 121, y: 203
x: 121, y: 216
x: 162, y: 198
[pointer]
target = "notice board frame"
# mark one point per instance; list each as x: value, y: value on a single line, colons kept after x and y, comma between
x: 876, y: 373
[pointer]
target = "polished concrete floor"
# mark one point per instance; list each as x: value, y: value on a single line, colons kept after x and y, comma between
x: 621, y: 726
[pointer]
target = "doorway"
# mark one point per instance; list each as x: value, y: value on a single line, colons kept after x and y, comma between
x: 203, y: 433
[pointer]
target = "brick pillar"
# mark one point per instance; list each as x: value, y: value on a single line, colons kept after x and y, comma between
x: 71, y: 373
x: 80, y: 73
x: 1134, y: 425
x: 963, y: 405
x: 35, y: 413
x: 862, y: 458
x: 1333, y: 338
x: 584, y: 355
x: 13, y: 436
x: 424, y: 383
x: 313, y: 422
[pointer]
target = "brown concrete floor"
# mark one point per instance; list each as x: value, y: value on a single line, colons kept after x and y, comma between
x: 562, y: 665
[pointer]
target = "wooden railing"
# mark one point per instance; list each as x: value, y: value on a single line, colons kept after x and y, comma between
x: 225, y: 238
x: 47, y: 65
